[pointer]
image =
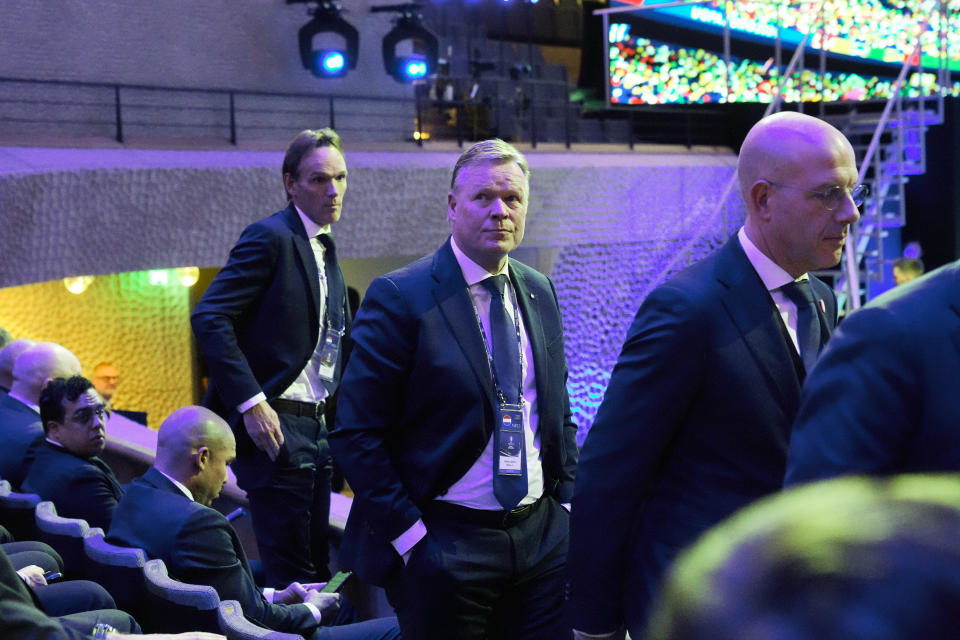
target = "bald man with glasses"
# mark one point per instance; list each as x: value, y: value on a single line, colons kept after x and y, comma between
x: 696, y: 419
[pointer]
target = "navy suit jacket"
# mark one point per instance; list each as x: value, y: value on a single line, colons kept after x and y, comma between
x: 416, y: 408
x: 199, y: 546
x: 258, y: 323
x: 694, y: 425
x: 20, y: 434
x: 79, y: 487
x: 883, y: 397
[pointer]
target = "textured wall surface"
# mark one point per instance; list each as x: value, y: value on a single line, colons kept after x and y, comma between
x: 607, y: 227
x: 121, y: 318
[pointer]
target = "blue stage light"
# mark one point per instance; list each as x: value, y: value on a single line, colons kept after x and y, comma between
x: 329, y: 63
x: 414, y: 68
x: 408, y: 28
x: 333, y: 61
x: 327, y: 22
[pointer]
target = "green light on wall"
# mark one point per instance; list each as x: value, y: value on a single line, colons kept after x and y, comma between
x: 158, y: 277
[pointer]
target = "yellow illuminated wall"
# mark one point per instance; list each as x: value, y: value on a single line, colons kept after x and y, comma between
x: 142, y: 328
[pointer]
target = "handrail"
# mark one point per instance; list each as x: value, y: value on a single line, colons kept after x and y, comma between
x: 721, y: 203
x: 852, y: 284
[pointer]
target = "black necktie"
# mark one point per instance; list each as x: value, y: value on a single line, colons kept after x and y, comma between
x: 508, y: 489
x: 336, y: 290
x: 808, y: 321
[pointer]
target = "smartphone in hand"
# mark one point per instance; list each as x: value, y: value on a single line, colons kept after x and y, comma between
x: 336, y: 583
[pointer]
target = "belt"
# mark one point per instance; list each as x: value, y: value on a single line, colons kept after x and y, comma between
x: 493, y: 519
x: 297, y: 408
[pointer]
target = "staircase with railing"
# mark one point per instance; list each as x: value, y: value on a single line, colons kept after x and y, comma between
x: 890, y: 146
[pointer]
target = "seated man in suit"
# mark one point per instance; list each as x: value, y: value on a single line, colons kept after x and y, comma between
x: 20, y: 618
x: 167, y: 514
x: 21, y: 611
x: 67, y: 469
x: 20, y: 430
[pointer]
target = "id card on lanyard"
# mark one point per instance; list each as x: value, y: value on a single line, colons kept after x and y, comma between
x: 329, y: 354
x: 510, y: 425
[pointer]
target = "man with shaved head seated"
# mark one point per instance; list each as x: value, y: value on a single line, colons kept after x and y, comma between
x: 8, y: 355
x: 696, y: 418
x: 20, y: 428
x: 167, y: 513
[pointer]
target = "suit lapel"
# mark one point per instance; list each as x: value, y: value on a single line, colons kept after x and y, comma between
x: 752, y: 310
x: 454, y: 302
x: 305, y: 254
x: 529, y: 305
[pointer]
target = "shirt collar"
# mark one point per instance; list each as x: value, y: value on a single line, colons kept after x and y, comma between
x: 180, y: 485
x: 16, y: 396
x: 772, y: 274
x: 472, y: 272
x: 311, y: 227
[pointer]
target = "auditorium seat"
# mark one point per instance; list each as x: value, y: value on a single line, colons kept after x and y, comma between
x: 236, y: 627
x: 120, y: 571
x: 65, y: 535
x: 177, y: 607
x: 17, y: 512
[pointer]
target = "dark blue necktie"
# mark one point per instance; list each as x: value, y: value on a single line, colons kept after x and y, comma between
x: 508, y: 489
x: 808, y: 321
x: 336, y: 290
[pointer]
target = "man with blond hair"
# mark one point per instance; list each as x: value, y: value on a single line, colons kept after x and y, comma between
x: 454, y: 426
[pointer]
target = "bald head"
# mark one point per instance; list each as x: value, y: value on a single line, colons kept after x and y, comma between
x: 797, y: 176
x: 39, y: 363
x: 778, y: 145
x: 194, y: 445
x: 9, y: 355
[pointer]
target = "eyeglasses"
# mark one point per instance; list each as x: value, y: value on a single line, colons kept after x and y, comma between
x: 835, y: 195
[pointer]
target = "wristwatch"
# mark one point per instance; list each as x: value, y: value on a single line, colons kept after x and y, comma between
x: 100, y: 631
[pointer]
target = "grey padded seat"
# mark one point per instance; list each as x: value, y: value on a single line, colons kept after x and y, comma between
x: 235, y: 626
x: 65, y: 535
x: 177, y: 607
x: 17, y: 512
x: 120, y: 571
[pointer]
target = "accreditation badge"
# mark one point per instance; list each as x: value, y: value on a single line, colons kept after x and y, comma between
x: 329, y: 354
x: 510, y: 432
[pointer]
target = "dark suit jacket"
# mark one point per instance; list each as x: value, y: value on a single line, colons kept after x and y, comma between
x: 198, y: 546
x: 258, y: 322
x: 20, y: 618
x: 80, y: 488
x: 694, y: 424
x: 416, y: 405
x: 883, y: 397
x: 20, y: 434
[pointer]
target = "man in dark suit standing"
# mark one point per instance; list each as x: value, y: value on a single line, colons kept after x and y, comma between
x: 167, y: 513
x: 270, y: 326
x: 67, y: 469
x: 697, y: 415
x: 883, y: 399
x: 454, y: 355
x: 20, y: 429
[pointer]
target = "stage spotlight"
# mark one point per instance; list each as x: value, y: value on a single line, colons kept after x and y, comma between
x: 408, y: 28
x: 328, y: 61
